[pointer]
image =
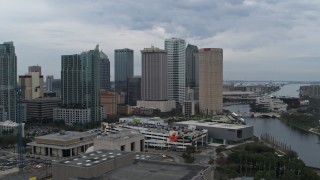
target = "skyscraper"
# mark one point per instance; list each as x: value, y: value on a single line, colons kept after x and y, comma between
x: 32, y: 85
x: 123, y: 59
x: 80, y: 79
x: 134, y: 90
x: 49, y: 80
x: 192, y: 66
x: 192, y: 72
x: 211, y: 80
x: 154, y: 83
x: 8, y: 81
x: 105, y: 71
x: 176, y: 69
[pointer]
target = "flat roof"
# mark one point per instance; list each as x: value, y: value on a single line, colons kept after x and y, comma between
x: 119, y: 135
x: 214, y: 124
x: 155, y: 170
x: 69, y: 135
x: 93, y: 158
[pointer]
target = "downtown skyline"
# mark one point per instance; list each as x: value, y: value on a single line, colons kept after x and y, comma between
x: 262, y: 40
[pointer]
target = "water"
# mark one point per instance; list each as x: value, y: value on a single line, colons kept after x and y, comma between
x: 289, y: 90
x: 306, y: 144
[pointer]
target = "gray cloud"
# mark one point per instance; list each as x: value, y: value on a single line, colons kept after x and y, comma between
x: 255, y: 34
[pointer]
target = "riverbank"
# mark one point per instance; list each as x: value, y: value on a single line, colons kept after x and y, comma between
x: 302, y: 123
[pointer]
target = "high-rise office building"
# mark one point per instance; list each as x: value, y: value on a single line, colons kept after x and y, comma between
x: 80, y: 79
x: 123, y: 60
x: 32, y: 85
x: 134, y: 90
x: 154, y: 83
x: 105, y: 71
x: 34, y: 69
x: 210, y: 80
x: 8, y: 81
x: 49, y: 80
x: 192, y: 66
x: 56, y: 87
x: 192, y: 72
x: 176, y: 69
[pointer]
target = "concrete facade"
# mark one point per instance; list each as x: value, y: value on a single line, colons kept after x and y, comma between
x: 61, y: 145
x: 221, y: 132
x: 72, y: 116
x: 211, y: 80
x: 124, y: 140
x: 106, y: 164
x: 32, y: 84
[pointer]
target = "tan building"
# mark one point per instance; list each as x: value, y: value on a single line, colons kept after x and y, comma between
x: 109, y: 101
x: 61, y: 145
x: 32, y: 84
x: 211, y: 80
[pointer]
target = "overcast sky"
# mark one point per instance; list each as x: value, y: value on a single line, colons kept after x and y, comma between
x: 261, y: 39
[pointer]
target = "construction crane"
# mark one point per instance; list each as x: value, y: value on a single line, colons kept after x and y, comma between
x: 19, y: 120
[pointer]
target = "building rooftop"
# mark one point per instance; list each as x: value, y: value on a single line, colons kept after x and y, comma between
x: 119, y: 135
x: 67, y: 136
x: 155, y: 170
x: 93, y: 158
x: 214, y: 124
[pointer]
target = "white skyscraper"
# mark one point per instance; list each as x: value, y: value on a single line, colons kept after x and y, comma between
x: 176, y: 48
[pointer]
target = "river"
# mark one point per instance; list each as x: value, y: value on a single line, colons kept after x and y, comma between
x: 291, y: 90
x: 306, y: 144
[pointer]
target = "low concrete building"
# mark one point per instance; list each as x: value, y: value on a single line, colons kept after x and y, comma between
x: 72, y: 116
x: 10, y: 128
x: 163, y: 106
x: 107, y: 164
x: 62, y: 145
x: 91, y: 165
x: 125, y: 140
x: 221, y: 132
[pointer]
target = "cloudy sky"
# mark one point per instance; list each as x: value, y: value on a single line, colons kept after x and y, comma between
x: 262, y: 39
